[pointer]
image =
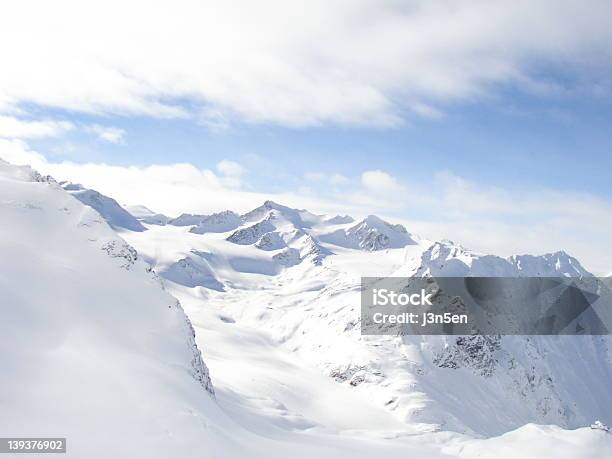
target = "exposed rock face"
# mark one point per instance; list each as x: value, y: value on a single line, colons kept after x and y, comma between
x: 123, y: 251
x: 271, y: 241
x: 251, y: 234
x: 474, y: 352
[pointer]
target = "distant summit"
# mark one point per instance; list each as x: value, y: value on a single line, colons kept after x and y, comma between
x: 115, y: 215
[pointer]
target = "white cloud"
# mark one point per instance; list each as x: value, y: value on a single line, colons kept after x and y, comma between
x: 348, y: 62
x: 380, y: 182
x: 426, y: 111
x: 107, y: 133
x: 15, y: 128
x: 230, y: 168
x: 171, y: 189
x: 230, y: 173
x: 338, y: 179
x: 17, y: 152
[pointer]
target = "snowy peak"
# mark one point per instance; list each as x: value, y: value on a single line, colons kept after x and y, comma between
x: 340, y: 220
x: 115, y: 215
x: 259, y: 212
x: 22, y: 173
x: 550, y: 264
x: 187, y: 220
x: 192, y: 273
x: 311, y: 249
x: 145, y: 215
x: 220, y: 222
x: 299, y: 218
x: 284, y: 231
x: 372, y: 222
x: 371, y: 234
x: 446, y: 259
x: 303, y: 235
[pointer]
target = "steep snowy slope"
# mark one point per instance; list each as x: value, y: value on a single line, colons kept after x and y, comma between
x: 92, y: 347
x: 115, y: 215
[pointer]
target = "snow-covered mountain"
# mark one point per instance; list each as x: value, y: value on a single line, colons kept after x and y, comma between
x: 146, y: 215
x: 372, y: 233
x: 187, y: 220
x: 546, y: 379
x: 217, y: 223
x: 115, y: 215
x: 101, y: 350
x: 92, y: 345
x: 447, y: 259
x: 297, y: 275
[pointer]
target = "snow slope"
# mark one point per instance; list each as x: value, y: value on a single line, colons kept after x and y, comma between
x: 115, y: 215
x: 92, y: 347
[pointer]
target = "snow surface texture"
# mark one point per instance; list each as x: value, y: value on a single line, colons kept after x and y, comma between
x: 101, y: 354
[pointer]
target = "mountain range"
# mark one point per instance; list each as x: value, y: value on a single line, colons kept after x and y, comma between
x: 110, y: 313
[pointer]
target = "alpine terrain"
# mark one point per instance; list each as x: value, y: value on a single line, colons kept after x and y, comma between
x: 112, y: 317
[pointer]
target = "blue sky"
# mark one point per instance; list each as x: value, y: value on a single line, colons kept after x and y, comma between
x: 486, y: 122
x: 514, y: 140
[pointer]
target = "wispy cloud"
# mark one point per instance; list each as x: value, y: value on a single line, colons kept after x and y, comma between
x: 230, y: 172
x: 378, y: 181
x: 357, y: 63
x: 230, y: 168
x: 108, y: 134
x: 16, y: 128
